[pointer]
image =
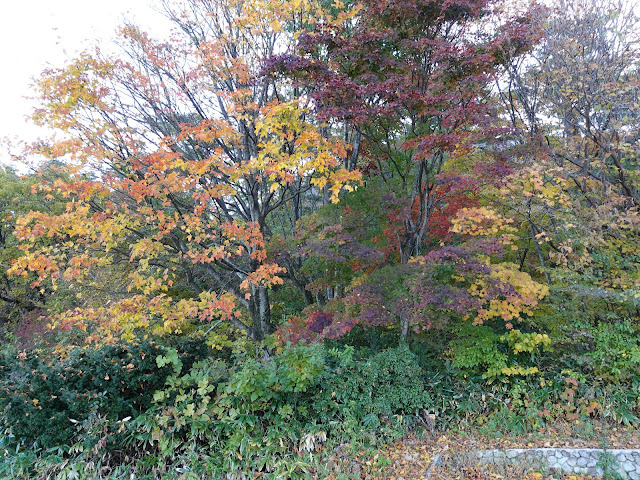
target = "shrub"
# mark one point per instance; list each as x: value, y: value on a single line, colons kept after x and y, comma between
x: 247, y: 417
x: 616, y: 356
x: 389, y: 383
x: 44, y: 397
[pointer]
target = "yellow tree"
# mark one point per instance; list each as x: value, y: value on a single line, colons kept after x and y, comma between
x: 574, y: 101
x: 589, y: 66
x: 179, y: 153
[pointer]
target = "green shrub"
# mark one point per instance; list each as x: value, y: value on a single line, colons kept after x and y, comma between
x: 616, y: 353
x: 45, y: 398
x: 247, y: 417
x: 260, y: 414
x: 388, y: 383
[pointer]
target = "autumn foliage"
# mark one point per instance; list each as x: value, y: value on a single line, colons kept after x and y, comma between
x: 374, y: 215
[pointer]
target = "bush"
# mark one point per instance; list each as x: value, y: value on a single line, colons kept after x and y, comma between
x: 44, y: 397
x: 616, y: 356
x: 246, y: 417
x: 388, y: 383
x: 259, y: 414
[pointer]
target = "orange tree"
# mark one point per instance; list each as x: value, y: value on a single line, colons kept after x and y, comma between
x: 17, y: 300
x: 178, y: 153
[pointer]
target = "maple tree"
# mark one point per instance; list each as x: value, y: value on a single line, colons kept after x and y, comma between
x: 16, y: 199
x: 406, y: 83
x: 12, y: 295
x: 190, y: 152
x: 471, y: 283
x: 407, y: 86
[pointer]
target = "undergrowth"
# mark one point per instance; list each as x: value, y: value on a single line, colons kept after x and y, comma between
x: 186, y: 411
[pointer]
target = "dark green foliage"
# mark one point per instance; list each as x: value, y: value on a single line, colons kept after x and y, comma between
x: 250, y: 416
x: 388, y: 383
x: 44, y: 398
x: 616, y: 350
x: 262, y: 414
x: 253, y: 413
x: 366, y: 339
x: 596, y: 333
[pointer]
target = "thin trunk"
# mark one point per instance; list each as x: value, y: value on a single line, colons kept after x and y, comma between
x: 356, y: 150
x: 404, y: 333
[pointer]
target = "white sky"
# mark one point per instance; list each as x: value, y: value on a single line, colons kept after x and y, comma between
x: 36, y: 34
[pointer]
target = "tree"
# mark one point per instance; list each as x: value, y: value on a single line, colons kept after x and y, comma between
x: 577, y: 96
x: 407, y: 82
x: 575, y: 105
x: 192, y: 153
x: 590, y: 66
x: 15, y: 199
x: 21, y: 306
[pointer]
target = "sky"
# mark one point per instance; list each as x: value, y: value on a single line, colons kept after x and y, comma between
x: 36, y: 34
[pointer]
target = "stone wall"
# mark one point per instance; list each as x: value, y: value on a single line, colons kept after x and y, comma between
x: 589, y: 461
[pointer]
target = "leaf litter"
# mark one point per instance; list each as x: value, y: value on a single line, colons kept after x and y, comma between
x: 449, y: 455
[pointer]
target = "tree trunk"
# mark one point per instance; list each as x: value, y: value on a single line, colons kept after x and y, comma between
x: 404, y: 334
x: 261, y: 314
